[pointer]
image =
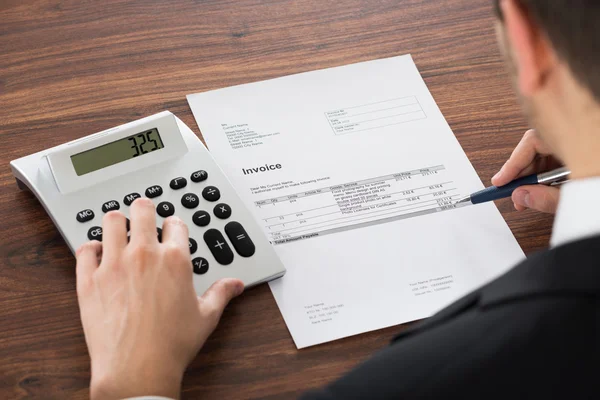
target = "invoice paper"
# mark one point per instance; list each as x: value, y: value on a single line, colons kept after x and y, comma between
x: 352, y: 172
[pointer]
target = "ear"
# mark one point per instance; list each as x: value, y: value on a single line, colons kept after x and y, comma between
x: 531, y: 51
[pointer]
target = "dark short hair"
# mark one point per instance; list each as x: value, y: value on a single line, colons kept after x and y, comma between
x: 573, y: 27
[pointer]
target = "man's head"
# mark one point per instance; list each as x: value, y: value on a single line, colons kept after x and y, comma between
x: 553, y: 48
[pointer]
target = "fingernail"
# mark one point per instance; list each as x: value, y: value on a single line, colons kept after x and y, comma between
x: 174, y: 219
x: 522, y: 198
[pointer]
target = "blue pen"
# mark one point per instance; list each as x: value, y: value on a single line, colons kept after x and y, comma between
x: 554, y: 177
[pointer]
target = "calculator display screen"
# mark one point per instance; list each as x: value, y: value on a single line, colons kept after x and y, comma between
x: 117, y: 151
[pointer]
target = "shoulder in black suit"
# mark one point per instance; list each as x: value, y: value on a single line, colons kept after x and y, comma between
x: 533, y: 333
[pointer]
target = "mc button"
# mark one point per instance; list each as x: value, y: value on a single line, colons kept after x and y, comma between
x: 85, y: 215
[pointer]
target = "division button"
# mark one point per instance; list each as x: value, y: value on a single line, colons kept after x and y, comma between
x: 211, y: 193
x: 130, y: 198
x: 218, y: 246
x: 95, y: 233
x: 193, y: 245
x: 222, y: 211
x: 199, y: 176
x: 190, y: 200
x: 154, y: 191
x: 178, y: 183
x: 200, y: 265
x: 201, y: 218
x: 241, y: 242
x: 110, y: 206
x: 85, y: 215
x: 165, y: 209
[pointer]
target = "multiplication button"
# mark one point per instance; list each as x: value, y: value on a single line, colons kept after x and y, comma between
x: 222, y: 211
x: 190, y: 200
x: 218, y: 246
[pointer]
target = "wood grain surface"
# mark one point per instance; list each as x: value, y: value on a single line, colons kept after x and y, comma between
x: 69, y: 68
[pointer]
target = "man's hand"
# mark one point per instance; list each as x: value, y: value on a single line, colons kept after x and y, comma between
x: 142, y: 320
x: 530, y: 156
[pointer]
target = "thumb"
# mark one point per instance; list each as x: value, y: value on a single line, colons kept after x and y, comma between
x: 215, y: 299
x: 537, y: 197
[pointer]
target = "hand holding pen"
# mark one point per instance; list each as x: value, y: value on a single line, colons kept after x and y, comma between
x: 530, y: 158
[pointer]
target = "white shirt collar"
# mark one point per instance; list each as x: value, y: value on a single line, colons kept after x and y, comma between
x: 578, y: 214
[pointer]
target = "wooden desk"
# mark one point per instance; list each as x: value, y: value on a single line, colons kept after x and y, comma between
x: 70, y: 68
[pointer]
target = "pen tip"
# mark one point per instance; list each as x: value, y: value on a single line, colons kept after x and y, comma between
x: 464, y: 200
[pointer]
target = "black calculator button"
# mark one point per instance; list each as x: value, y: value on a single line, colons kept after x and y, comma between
x: 165, y: 209
x: 159, y: 234
x: 218, y: 246
x: 190, y: 200
x: 110, y: 206
x: 95, y: 233
x: 199, y: 176
x: 178, y: 183
x: 193, y: 246
x: 241, y: 242
x: 85, y: 215
x: 154, y: 191
x: 201, y: 218
x: 200, y: 265
x: 128, y: 224
x: 222, y: 211
x: 211, y: 193
x: 130, y: 198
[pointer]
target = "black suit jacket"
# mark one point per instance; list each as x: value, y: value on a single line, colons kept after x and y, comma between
x: 533, y: 333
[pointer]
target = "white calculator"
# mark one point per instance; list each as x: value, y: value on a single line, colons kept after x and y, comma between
x: 158, y: 157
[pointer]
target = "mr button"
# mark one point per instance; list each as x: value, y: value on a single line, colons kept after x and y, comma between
x: 110, y: 206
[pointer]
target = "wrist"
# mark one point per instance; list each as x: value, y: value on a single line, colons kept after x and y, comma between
x: 144, y: 382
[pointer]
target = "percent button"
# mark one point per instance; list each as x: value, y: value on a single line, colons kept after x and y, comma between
x: 190, y: 200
